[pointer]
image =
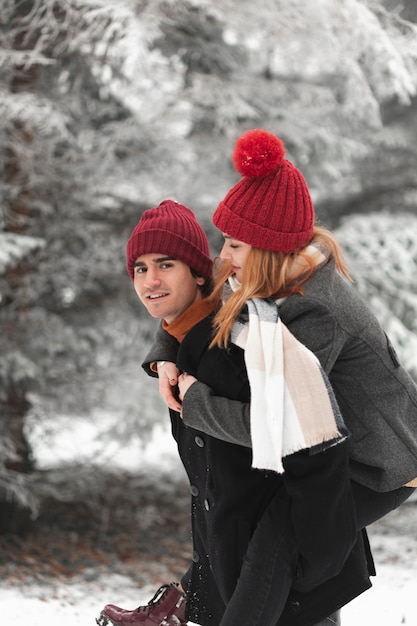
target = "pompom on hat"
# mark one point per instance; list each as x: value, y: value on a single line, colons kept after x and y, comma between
x: 271, y: 206
x: 172, y: 229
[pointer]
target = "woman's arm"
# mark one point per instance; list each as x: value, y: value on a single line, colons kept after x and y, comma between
x: 219, y: 417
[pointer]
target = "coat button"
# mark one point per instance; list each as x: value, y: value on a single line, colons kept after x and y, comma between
x: 196, y: 556
x: 194, y: 490
x: 199, y: 441
x: 207, y: 505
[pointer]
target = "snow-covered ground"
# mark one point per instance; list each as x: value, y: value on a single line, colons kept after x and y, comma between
x: 391, y: 601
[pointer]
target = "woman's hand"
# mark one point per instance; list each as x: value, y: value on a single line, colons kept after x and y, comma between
x: 168, y: 380
x: 184, y: 383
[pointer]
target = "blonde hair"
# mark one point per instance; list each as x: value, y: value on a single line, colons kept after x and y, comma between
x: 269, y: 274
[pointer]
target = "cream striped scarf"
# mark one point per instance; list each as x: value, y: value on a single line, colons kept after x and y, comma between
x: 292, y: 402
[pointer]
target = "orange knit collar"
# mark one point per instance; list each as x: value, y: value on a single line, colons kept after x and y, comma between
x: 191, y: 316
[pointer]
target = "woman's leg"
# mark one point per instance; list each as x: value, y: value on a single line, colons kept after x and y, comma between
x: 373, y: 505
x: 332, y: 620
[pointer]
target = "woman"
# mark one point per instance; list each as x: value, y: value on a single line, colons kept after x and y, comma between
x: 276, y: 254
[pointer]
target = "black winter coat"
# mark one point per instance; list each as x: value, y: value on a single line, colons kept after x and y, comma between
x: 229, y: 498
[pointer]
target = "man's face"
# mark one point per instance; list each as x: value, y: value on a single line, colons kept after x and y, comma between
x: 165, y: 285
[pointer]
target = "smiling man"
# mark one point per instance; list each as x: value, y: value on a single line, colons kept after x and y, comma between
x: 168, y: 260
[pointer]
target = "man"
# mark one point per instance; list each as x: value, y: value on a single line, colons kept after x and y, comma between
x: 168, y: 260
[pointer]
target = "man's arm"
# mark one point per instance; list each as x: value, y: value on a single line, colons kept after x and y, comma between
x: 160, y: 361
x: 164, y: 348
x: 322, y: 511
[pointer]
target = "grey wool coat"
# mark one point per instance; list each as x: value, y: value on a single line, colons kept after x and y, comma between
x: 376, y: 396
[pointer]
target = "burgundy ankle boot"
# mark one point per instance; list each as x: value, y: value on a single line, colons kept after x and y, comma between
x: 167, y: 608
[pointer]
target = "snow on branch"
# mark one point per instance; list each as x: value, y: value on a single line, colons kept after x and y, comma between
x: 386, y: 53
x: 34, y: 111
x: 14, y: 248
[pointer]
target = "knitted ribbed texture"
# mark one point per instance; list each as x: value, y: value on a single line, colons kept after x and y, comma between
x: 173, y: 230
x: 274, y: 212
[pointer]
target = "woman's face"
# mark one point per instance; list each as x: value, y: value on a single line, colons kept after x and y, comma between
x: 236, y: 252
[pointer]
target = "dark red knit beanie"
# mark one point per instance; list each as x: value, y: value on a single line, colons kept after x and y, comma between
x: 172, y: 229
x: 271, y: 206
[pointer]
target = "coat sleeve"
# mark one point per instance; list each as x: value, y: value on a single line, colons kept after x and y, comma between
x: 164, y: 348
x: 322, y: 512
x: 219, y: 417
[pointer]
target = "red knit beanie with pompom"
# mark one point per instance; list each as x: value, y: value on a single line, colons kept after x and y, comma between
x: 271, y: 206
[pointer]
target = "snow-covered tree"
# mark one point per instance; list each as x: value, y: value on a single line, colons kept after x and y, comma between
x: 108, y: 107
x: 382, y: 252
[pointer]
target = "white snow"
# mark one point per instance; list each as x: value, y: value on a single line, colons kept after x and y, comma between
x: 391, y: 601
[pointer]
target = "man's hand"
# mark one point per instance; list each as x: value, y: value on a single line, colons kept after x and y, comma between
x: 184, y: 383
x: 168, y: 380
